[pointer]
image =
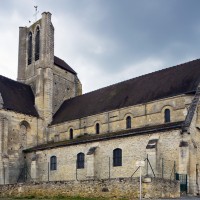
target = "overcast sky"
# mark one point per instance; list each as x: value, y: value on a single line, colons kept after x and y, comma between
x: 107, y: 41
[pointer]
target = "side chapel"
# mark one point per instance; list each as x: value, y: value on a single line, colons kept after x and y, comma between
x: 48, y: 126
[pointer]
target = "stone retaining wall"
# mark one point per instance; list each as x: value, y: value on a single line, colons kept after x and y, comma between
x: 114, y: 188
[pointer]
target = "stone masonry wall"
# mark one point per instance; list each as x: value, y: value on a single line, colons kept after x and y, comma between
x: 51, y: 85
x: 193, y: 139
x: 133, y: 149
x: 114, y: 188
x: 16, y: 138
x: 141, y: 115
x: 63, y: 87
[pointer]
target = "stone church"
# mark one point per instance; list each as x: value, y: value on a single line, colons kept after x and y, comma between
x: 53, y: 132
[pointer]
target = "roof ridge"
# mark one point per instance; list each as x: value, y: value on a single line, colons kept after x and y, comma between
x: 63, y: 64
x: 157, y: 71
x: 59, y: 58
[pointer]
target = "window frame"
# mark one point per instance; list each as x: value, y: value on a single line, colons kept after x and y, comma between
x: 97, y: 126
x: 30, y: 48
x: 53, y: 163
x: 37, y: 44
x: 167, y: 115
x: 80, y: 163
x: 71, y: 133
x: 128, y: 122
x: 117, y: 157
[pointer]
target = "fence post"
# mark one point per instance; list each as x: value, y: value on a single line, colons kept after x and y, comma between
x: 48, y: 171
x: 4, y: 174
x: 109, y: 168
x: 162, y: 168
x: 140, y: 183
x: 174, y: 170
x: 24, y: 173
x: 147, y: 165
x: 76, y: 170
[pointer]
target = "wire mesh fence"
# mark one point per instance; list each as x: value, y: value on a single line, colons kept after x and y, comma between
x: 103, y: 168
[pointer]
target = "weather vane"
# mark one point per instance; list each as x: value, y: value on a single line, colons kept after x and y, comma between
x: 36, y: 12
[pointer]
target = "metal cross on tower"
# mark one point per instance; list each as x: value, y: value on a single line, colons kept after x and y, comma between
x: 36, y: 12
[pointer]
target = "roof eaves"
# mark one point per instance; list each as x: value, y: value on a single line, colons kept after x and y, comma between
x: 23, y: 113
x: 97, y: 113
x: 109, y: 136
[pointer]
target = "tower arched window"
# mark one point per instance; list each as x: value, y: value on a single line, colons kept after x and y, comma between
x: 71, y: 134
x: 37, y: 44
x: 117, y: 157
x: 128, y: 122
x: 167, y: 115
x: 80, y: 160
x: 97, y: 128
x: 53, y: 163
x: 29, y: 48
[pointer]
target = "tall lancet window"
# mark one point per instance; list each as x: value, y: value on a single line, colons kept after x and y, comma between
x: 37, y: 44
x: 128, y: 122
x: 29, y: 48
x: 167, y: 115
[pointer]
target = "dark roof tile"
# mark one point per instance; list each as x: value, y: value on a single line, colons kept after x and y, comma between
x: 169, y: 82
x: 62, y: 64
x: 17, y: 97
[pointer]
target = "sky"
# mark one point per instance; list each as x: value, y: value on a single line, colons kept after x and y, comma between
x: 107, y: 41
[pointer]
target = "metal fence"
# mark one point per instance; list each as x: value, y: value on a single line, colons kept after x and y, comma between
x: 102, y: 168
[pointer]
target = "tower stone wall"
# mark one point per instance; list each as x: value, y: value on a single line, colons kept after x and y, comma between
x: 51, y: 85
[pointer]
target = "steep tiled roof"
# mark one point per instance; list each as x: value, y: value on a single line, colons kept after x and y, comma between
x: 180, y: 79
x: 62, y: 64
x: 109, y: 136
x: 17, y: 97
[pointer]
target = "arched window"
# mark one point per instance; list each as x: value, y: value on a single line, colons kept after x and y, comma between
x: 53, y: 163
x: 128, y: 122
x: 37, y: 44
x: 80, y: 160
x: 97, y: 128
x: 29, y: 48
x: 71, y: 134
x: 24, y: 127
x: 23, y: 135
x: 167, y: 115
x: 117, y: 157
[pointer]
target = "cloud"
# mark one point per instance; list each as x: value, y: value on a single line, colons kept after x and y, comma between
x: 108, y: 41
x: 130, y: 71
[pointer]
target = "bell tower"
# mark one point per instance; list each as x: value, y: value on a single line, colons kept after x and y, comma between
x: 36, y: 62
x: 51, y: 78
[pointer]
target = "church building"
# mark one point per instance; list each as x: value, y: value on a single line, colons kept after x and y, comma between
x: 50, y: 131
